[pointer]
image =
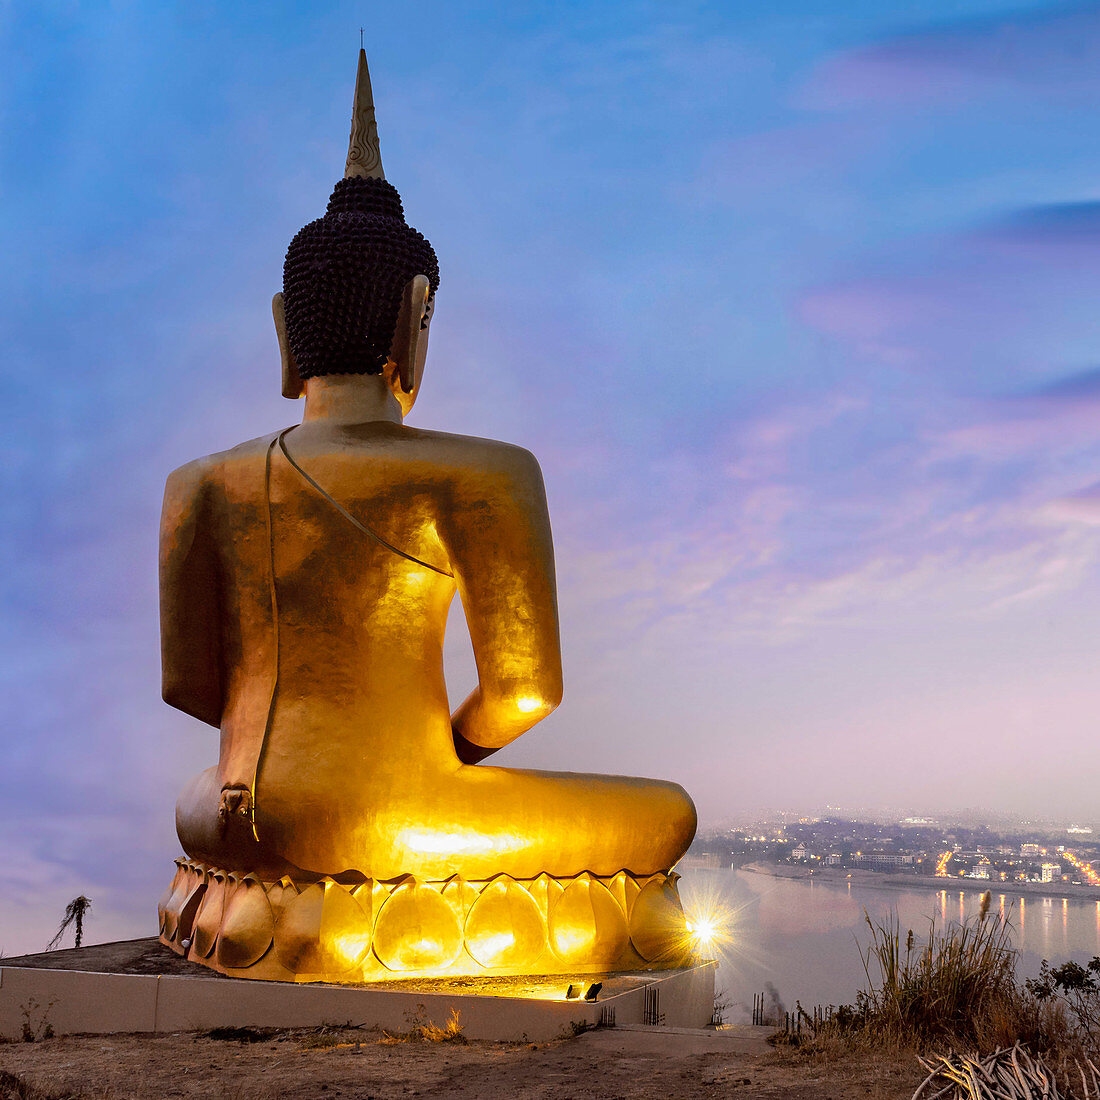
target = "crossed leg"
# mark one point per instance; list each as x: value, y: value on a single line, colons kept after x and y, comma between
x: 478, y: 821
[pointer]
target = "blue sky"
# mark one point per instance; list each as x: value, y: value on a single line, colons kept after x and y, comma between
x: 794, y: 302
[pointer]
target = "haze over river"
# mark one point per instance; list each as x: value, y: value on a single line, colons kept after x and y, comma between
x: 801, y: 935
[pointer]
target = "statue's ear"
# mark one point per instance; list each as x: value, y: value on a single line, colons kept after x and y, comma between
x: 292, y: 380
x: 406, y: 335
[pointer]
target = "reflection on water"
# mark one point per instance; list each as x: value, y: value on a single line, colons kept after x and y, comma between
x: 804, y: 936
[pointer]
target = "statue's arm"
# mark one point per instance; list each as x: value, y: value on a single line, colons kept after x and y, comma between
x: 190, y: 618
x: 503, y: 552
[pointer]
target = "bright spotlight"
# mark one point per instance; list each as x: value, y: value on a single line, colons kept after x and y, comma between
x: 708, y: 929
x: 704, y: 932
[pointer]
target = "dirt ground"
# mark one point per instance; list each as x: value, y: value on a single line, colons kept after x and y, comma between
x: 611, y: 1064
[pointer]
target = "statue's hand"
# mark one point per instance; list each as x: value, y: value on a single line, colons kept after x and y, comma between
x: 236, y: 802
x: 467, y: 751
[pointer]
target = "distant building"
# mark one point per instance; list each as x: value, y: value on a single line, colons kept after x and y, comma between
x: 800, y: 852
x: 1080, y: 829
x: 832, y: 859
x: 882, y: 859
x: 982, y: 869
x: 1030, y: 850
x: 1049, y: 872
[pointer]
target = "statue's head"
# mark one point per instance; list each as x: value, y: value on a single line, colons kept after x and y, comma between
x: 359, y: 283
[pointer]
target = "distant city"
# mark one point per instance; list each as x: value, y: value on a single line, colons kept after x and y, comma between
x: 923, y: 849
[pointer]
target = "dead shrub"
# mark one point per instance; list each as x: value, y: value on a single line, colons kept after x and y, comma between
x: 423, y: 1030
x: 956, y: 989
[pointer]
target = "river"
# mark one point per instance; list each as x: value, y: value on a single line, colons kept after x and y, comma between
x: 803, y: 937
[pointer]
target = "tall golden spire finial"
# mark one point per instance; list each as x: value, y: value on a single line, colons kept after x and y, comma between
x: 364, y: 158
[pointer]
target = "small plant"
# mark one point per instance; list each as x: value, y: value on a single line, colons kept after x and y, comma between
x: 36, y: 1021
x: 1079, y: 986
x: 242, y: 1034
x: 324, y: 1038
x: 722, y: 1005
x: 422, y: 1029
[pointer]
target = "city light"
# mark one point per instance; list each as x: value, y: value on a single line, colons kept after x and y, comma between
x: 851, y: 851
x: 1082, y: 868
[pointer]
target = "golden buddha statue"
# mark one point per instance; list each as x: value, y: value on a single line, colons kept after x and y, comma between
x: 349, y: 829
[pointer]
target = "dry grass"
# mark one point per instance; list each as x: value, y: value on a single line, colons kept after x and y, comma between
x: 957, y: 990
x: 422, y: 1030
x: 15, y: 1087
x: 950, y: 987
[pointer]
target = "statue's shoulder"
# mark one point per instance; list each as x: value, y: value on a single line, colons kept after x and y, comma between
x: 466, y: 456
x: 200, y: 471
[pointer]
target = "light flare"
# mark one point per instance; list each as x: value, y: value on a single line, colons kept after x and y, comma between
x: 708, y: 928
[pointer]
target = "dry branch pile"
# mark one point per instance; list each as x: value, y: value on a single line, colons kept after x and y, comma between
x: 1007, y: 1074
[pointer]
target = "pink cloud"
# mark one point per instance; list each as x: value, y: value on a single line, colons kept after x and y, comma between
x: 1053, y: 52
x: 1081, y: 507
x: 874, y: 316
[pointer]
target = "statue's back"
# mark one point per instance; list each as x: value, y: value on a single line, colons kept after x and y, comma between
x: 320, y: 565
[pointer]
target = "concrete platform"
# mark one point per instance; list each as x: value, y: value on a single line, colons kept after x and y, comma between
x: 637, y: 1039
x: 141, y: 986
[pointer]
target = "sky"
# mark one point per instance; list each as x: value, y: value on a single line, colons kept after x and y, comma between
x: 794, y: 302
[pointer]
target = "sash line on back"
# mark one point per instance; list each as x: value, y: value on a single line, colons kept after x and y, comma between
x: 274, y: 596
x: 347, y: 515
x: 274, y: 633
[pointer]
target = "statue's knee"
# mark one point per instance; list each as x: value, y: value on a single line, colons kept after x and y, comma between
x: 196, y: 811
x: 687, y: 815
x: 681, y: 817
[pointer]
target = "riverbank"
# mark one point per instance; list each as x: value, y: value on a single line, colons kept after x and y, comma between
x: 837, y: 876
